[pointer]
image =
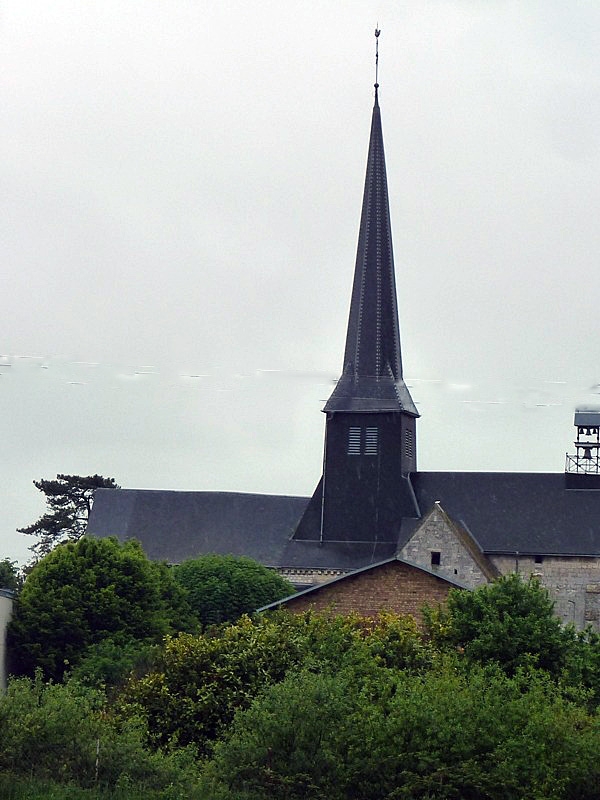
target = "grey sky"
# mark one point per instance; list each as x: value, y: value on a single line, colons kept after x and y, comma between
x: 181, y: 195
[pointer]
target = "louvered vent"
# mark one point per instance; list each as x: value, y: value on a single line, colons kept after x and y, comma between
x: 371, y: 441
x: 408, y: 444
x: 354, y: 441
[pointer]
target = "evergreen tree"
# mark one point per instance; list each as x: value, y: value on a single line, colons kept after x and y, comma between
x: 69, y: 499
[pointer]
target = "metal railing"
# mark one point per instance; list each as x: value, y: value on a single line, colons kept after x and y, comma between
x: 579, y: 464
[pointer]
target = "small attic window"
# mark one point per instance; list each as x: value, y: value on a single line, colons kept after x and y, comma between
x: 435, y: 558
x: 537, y: 559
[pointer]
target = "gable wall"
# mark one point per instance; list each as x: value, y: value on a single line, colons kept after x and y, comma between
x: 573, y: 584
x: 393, y: 587
x: 456, y: 562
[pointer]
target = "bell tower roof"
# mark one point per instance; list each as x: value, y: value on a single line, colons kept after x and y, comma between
x: 372, y: 379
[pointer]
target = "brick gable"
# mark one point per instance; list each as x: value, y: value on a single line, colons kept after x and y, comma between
x: 391, y: 586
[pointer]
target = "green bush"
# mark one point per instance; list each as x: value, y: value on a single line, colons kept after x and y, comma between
x: 510, y: 622
x: 62, y: 733
x: 442, y: 735
x: 222, y: 588
x: 201, y: 681
x: 14, y: 787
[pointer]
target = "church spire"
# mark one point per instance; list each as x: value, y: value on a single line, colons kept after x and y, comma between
x: 370, y: 447
x: 372, y: 379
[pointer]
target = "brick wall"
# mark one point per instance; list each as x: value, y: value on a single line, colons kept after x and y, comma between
x: 395, y: 586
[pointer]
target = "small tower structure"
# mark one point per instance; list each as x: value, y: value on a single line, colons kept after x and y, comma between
x: 6, y: 609
x: 582, y: 470
x: 370, y: 436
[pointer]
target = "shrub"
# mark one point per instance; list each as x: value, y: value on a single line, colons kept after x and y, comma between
x: 62, y: 732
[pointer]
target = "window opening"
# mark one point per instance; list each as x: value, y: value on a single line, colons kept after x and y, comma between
x: 435, y: 558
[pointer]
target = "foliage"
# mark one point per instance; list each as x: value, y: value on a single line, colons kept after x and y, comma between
x: 510, y: 622
x: 110, y: 662
x: 15, y: 787
x: 69, y: 499
x: 405, y: 736
x: 85, y: 592
x: 222, y: 588
x: 289, y: 743
x: 582, y: 667
x: 61, y: 732
x: 201, y: 681
x: 9, y: 575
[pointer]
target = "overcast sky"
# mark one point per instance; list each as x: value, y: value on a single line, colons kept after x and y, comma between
x: 181, y: 191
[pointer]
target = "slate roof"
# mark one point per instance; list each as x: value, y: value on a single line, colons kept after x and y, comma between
x: 525, y: 513
x: 335, y: 555
x: 371, y: 378
x: 514, y: 512
x: 173, y: 526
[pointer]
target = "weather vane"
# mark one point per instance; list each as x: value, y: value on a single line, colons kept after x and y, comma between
x: 377, y: 32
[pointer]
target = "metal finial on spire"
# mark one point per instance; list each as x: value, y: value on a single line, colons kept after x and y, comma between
x: 377, y: 32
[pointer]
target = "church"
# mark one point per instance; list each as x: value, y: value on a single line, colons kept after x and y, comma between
x: 372, y: 505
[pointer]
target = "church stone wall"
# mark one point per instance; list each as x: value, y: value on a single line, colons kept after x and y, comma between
x: 435, y: 535
x: 573, y: 584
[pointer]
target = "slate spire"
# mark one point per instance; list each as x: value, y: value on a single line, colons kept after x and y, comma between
x: 370, y: 449
x: 372, y: 379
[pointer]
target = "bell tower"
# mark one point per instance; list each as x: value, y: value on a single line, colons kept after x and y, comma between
x: 582, y: 470
x: 370, y: 436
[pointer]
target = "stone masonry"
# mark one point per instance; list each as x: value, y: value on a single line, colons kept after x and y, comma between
x: 457, y: 555
x: 573, y: 584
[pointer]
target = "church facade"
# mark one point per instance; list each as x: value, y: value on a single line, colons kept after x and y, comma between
x: 372, y: 504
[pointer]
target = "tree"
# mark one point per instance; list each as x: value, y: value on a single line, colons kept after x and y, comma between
x: 9, y: 575
x: 200, y: 682
x: 85, y: 592
x: 69, y: 499
x: 447, y: 734
x: 66, y: 734
x: 510, y: 622
x: 222, y: 588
